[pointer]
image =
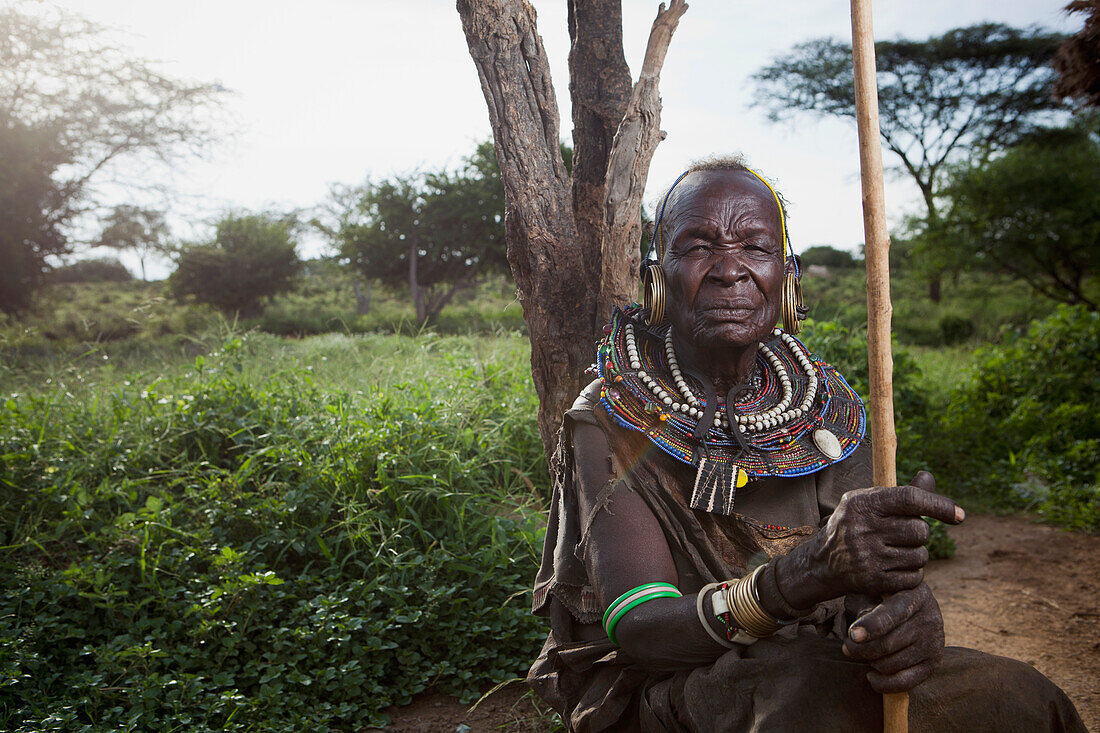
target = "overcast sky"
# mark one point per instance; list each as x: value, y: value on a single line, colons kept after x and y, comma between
x: 332, y: 91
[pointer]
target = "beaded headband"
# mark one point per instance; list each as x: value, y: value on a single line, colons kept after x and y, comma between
x: 657, y: 244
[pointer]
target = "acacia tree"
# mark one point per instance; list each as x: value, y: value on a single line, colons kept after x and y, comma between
x: 1033, y: 212
x: 436, y: 232
x: 62, y: 72
x: 136, y: 228
x: 92, y: 107
x: 967, y: 93
x: 572, y: 238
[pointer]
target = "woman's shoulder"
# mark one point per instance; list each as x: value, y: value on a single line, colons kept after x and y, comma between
x: 585, y: 405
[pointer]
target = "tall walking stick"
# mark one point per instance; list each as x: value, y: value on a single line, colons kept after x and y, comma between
x: 895, y: 706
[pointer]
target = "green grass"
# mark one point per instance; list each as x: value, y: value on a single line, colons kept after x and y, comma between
x: 943, y: 369
x: 272, y: 536
x: 975, y: 308
x: 142, y: 315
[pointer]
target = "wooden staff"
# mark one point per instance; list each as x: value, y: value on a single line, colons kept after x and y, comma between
x: 895, y: 706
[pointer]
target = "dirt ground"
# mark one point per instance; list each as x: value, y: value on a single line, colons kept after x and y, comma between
x: 1031, y: 592
x: 1014, y: 588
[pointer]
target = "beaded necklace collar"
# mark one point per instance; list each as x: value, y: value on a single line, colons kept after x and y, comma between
x: 795, y: 417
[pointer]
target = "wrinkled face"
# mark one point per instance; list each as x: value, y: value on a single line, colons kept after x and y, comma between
x: 723, y: 259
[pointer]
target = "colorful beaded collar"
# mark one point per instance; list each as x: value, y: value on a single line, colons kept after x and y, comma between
x: 797, y: 416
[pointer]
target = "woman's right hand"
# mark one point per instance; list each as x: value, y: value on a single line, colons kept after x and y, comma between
x: 874, y: 543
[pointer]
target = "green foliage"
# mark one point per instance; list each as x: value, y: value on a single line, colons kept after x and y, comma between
x: 30, y: 232
x: 992, y: 303
x: 436, y: 232
x: 941, y: 546
x: 72, y: 105
x: 1033, y: 212
x: 98, y: 270
x: 846, y: 348
x: 955, y: 329
x: 252, y: 257
x: 823, y: 254
x: 238, y: 547
x: 323, y: 301
x: 74, y: 317
x: 1024, y: 430
x: 976, y: 87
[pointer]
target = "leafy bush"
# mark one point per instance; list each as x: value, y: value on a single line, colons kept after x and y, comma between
x: 292, y: 315
x: 101, y: 270
x: 955, y: 329
x: 846, y: 349
x: 823, y: 254
x: 1025, y: 429
x: 75, y: 317
x: 214, y: 551
x: 252, y: 257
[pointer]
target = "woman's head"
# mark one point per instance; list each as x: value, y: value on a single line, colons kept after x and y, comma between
x: 723, y: 254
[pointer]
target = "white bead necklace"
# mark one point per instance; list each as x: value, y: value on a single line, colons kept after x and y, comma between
x: 690, y: 405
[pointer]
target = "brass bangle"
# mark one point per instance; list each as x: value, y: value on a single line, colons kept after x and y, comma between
x: 744, y: 603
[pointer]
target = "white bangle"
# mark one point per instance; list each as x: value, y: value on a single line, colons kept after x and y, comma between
x: 702, y: 619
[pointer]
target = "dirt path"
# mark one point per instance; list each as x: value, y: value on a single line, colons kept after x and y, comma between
x: 1014, y: 588
x: 1031, y: 592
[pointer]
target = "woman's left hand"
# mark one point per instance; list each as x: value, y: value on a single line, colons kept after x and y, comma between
x: 901, y: 638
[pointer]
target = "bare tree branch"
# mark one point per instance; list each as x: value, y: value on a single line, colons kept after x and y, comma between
x: 628, y: 169
x: 564, y: 238
x: 599, y: 88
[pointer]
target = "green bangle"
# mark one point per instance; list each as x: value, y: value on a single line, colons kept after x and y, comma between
x: 611, y: 607
x: 632, y: 598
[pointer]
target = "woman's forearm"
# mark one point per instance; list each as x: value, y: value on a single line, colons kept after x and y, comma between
x: 667, y: 634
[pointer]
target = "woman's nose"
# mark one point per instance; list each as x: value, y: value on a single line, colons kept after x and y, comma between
x: 727, y: 269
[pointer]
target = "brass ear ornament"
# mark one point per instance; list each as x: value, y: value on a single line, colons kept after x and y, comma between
x: 653, y: 293
x: 793, y: 309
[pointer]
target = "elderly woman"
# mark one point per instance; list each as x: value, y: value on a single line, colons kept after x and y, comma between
x: 715, y: 556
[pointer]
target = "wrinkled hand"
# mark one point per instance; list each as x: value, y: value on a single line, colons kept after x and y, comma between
x: 874, y: 542
x: 902, y: 639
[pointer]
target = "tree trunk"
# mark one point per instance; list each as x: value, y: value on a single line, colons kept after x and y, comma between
x: 362, y: 300
x: 437, y: 301
x: 557, y: 229
x: 935, y: 279
x: 414, y: 282
x: 599, y: 88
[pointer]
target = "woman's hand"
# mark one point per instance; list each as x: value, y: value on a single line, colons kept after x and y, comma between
x: 902, y: 639
x: 874, y: 543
